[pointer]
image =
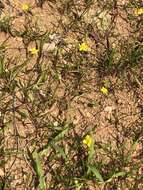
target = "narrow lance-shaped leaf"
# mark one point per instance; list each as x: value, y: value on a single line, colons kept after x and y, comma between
x: 59, y: 136
x: 39, y: 171
x: 95, y: 172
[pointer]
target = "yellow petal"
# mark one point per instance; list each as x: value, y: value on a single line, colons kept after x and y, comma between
x: 88, y: 140
x: 84, y: 141
x: 104, y: 90
x: 25, y: 7
x: 140, y: 11
x: 33, y: 51
x: 83, y: 47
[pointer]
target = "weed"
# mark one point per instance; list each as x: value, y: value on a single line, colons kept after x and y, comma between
x: 71, y: 95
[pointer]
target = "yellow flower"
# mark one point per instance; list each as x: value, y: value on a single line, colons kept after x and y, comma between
x: 104, y: 90
x: 25, y: 7
x: 34, y: 51
x: 83, y: 47
x: 140, y: 11
x: 88, y: 140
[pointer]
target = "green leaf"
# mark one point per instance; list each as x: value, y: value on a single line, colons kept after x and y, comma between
x: 30, y: 96
x: 119, y: 174
x: 39, y: 171
x: 132, y: 149
x: 23, y: 113
x: 1, y: 66
x: 17, y: 69
x: 40, y: 81
x: 95, y: 172
x: 91, y: 152
x: 61, y: 152
x: 55, y: 139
